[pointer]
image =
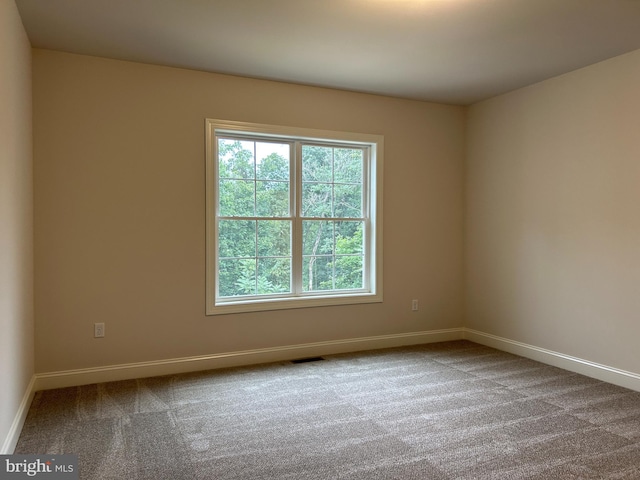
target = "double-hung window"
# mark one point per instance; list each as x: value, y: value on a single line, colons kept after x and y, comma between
x: 294, y: 217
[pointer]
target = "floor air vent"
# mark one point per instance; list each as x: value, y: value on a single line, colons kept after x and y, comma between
x: 307, y: 360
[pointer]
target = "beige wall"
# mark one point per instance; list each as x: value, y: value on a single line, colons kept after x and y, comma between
x: 120, y: 222
x: 16, y: 216
x: 551, y: 223
x: 553, y: 214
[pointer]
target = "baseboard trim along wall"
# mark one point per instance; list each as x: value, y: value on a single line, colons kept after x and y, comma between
x: 578, y: 365
x: 11, y: 440
x: 70, y: 378
x: 85, y: 376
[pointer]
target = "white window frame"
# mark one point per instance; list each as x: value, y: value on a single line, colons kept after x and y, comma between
x: 372, y: 293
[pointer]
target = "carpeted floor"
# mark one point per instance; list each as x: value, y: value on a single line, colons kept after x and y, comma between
x: 454, y: 410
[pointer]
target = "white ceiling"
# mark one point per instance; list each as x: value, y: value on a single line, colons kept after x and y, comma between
x: 449, y: 51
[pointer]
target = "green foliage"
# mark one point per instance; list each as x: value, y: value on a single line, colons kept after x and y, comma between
x: 254, y: 254
x: 333, y: 255
x: 348, y: 260
x: 249, y: 283
x: 331, y: 182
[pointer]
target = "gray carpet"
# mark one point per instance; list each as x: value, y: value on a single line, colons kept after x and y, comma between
x: 453, y: 410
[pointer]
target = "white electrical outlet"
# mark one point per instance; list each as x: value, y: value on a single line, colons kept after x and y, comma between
x: 98, y: 330
x: 414, y: 305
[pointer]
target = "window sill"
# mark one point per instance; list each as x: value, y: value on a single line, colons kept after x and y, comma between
x: 288, y: 303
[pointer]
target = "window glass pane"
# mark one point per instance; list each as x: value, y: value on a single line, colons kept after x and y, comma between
x: 236, y: 198
x: 237, y: 238
x: 272, y: 199
x: 317, y: 273
x: 316, y: 199
x: 272, y: 161
x: 318, y: 237
x: 256, y: 181
x: 349, y: 238
x: 348, y: 201
x: 347, y: 165
x: 348, y: 271
x: 274, y: 238
x: 274, y: 275
x: 237, y: 277
x: 317, y: 164
x: 321, y: 269
x: 235, y: 159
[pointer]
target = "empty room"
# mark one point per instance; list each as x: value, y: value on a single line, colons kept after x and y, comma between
x: 348, y: 239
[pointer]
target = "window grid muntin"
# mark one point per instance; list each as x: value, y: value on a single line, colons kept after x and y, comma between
x: 256, y: 257
x: 297, y: 287
x: 254, y: 139
x: 256, y: 179
x: 365, y: 142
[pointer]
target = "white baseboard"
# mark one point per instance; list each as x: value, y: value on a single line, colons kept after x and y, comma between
x: 44, y: 381
x: 573, y: 364
x: 85, y: 376
x: 70, y: 378
x: 11, y: 440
